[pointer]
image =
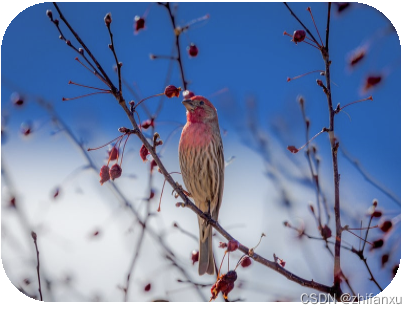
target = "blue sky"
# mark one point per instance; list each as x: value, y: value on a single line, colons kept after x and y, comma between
x: 241, y: 49
x: 247, y: 53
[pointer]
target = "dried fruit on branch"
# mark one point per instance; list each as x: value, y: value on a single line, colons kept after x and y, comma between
x: 224, y: 284
x: 115, y: 171
x: 172, y: 91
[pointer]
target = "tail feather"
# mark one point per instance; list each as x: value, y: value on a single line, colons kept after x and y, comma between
x: 205, y: 261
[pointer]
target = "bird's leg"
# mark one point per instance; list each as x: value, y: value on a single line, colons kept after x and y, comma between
x: 179, y: 186
x: 208, y: 214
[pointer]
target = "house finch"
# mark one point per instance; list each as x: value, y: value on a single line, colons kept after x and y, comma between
x: 202, y: 167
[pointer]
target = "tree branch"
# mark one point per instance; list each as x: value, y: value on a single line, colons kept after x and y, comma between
x: 187, y: 203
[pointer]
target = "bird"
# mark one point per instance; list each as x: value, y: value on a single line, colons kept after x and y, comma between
x: 202, y: 167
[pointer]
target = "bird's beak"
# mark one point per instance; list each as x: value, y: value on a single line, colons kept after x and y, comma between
x: 189, y: 104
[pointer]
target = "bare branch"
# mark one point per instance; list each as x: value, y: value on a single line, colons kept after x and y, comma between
x: 35, y: 237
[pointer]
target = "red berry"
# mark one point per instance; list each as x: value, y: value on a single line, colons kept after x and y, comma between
x: 26, y: 128
x: 143, y: 153
x: 171, y: 91
x: 326, y: 232
x: 372, y: 81
x: 12, y: 202
x: 148, y: 123
x: 377, y: 214
x: 246, y: 261
x: 115, y: 172
x: 147, y: 287
x: 95, y: 233
x: 104, y: 174
x: 56, y: 193
x: 378, y: 243
x: 292, y: 149
x: 232, y: 245
x: 113, y: 153
x: 193, y: 50
x: 394, y: 270
x: 230, y: 276
x: 341, y: 6
x: 139, y: 23
x: 358, y: 56
x: 299, y: 36
x: 194, y: 256
x: 384, y: 259
x: 17, y: 99
x: 386, y: 226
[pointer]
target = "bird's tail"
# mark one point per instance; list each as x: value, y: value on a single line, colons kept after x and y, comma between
x: 205, y: 260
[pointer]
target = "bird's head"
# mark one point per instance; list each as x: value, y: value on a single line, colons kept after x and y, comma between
x: 199, y: 109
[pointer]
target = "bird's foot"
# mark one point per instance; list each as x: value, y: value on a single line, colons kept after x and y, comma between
x: 208, y: 216
x: 179, y: 186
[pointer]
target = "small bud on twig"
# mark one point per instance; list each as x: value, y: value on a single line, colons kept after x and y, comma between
x: 108, y: 19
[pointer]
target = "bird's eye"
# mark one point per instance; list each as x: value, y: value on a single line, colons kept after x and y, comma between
x: 201, y: 103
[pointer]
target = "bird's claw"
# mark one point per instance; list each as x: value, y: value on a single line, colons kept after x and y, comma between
x: 208, y: 218
x: 179, y: 187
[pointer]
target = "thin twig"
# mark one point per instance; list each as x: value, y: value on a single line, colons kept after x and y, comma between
x: 314, y: 176
x: 112, y: 87
x: 334, y: 146
x: 118, y: 64
x: 34, y: 237
x: 177, y: 43
x: 369, y: 178
x: 305, y: 27
x: 372, y: 276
